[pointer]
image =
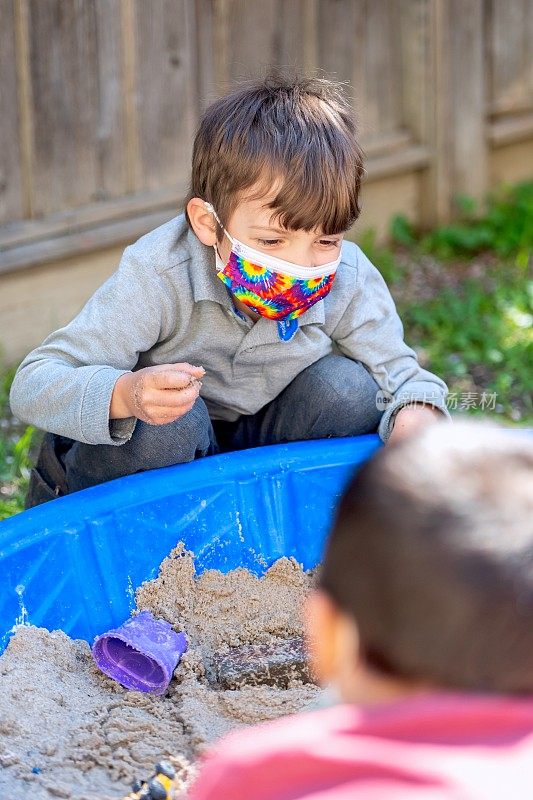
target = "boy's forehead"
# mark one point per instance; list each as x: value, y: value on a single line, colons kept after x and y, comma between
x: 255, y: 213
x: 253, y: 205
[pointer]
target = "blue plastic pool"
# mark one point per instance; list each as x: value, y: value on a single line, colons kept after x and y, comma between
x: 74, y: 563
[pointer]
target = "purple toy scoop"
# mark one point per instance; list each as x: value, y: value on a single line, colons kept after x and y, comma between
x: 141, y: 654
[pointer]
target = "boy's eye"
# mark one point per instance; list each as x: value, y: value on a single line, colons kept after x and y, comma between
x: 326, y: 242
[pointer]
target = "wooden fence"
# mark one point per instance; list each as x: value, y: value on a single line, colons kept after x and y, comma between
x: 99, y: 101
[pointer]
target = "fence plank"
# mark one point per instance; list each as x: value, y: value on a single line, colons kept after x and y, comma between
x: 467, y: 97
x: 130, y: 96
x: 239, y: 40
x: 342, y: 47
x: 342, y: 53
x: 109, y: 133
x: 64, y: 71
x: 418, y: 95
x: 440, y: 122
x: 360, y: 42
x: 383, y: 66
x: 99, y: 99
x: 165, y: 88
x: 510, y: 33
x: 214, y: 57
x: 11, y: 200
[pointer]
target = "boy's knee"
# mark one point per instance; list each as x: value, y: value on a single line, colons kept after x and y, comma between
x: 346, y: 377
x: 150, y: 447
x: 347, y: 393
x: 177, y: 442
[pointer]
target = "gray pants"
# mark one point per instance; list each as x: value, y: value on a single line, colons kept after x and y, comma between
x: 334, y: 397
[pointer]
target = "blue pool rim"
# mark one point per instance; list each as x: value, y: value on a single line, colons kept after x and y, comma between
x: 74, y: 563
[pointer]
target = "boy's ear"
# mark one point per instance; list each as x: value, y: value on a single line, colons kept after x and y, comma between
x: 202, y: 221
x: 328, y: 635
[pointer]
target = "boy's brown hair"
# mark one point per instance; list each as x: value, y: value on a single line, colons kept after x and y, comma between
x: 299, y: 130
x: 432, y: 554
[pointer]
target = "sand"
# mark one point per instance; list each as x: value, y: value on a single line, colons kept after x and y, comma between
x: 66, y: 730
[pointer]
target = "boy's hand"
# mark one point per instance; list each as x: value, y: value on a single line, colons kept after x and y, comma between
x: 157, y: 395
x: 411, y: 418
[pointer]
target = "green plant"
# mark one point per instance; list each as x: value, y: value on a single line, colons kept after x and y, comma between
x: 480, y: 341
x: 504, y: 227
x: 17, y: 445
x: 476, y: 333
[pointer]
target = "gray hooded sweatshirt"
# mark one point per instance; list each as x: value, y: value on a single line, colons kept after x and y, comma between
x: 165, y: 304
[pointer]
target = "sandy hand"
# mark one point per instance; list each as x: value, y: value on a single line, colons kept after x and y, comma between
x: 158, y: 395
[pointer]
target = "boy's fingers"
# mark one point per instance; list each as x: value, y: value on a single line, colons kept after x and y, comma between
x: 186, y: 367
x: 175, y: 398
x: 166, y: 415
x: 171, y: 379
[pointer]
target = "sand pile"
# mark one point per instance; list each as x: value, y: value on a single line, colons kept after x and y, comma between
x: 66, y: 730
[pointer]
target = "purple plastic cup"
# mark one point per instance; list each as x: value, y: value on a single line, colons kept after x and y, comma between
x: 141, y: 654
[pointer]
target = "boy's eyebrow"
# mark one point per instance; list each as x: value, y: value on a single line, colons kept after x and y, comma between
x: 267, y: 228
x: 279, y: 230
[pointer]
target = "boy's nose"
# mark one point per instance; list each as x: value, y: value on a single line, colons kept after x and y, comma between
x: 302, y: 257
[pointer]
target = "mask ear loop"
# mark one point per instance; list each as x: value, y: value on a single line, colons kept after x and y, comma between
x: 210, y: 208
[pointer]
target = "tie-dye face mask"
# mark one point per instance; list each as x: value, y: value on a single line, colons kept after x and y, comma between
x: 270, y: 286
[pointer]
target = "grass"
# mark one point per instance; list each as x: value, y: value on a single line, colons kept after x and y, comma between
x: 19, y: 444
x: 465, y: 296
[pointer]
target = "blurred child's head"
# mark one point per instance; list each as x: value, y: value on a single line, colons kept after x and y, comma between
x: 427, y: 578
x: 280, y: 152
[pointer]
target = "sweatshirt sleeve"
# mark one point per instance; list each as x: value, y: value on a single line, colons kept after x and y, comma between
x: 65, y: 385
x: 370, y: 331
